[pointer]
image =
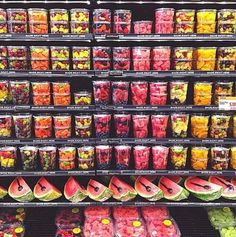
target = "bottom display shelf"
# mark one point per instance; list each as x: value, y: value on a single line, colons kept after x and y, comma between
x: 192, y: 222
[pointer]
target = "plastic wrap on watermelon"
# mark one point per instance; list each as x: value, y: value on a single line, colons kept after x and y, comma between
x: 130, y: 227
x: 12, y: 215
x: 162, y: 228
x: 12, y: 230
x: 70, y: 232
x: 126, y: 212
x: 68, y: 218
x: 97, y: 211
x: 155, y: 212
x: 99, y: 227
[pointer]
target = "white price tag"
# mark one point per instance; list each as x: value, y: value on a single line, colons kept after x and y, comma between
x: 227, y: 103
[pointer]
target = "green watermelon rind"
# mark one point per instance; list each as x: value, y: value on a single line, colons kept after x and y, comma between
x: 77, y: 197
x: 28, y: 197
x: 50, y: 196
x: 3, y: 193
x: 126, y: 196
x: 105, y: 195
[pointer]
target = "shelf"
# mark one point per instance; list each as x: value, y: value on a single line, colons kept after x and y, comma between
x: 165, y: 37
x: 162, y: 74
x: 116, y: 141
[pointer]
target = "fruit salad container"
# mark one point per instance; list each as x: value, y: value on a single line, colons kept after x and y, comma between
x: 72, y: 232
x: 159, y: 125
x: 100, y: 15
x: 143, y: 27
x: 3, y: 63
x: 158, y: 93
x: 17, y: 14
x: 60, y: 64
x: 157, y: 227
x: 199, y: 157
x: 121, y: 64
x: 5, y: 126
x: 3, y: 52
x: 225, y: 27
x: 140, y: 125
x: 17, y: 51
x: 97, y: 211
x: 79, y: 15
x: 226, y: 58
x: 220, y: 120
x: 184, y: 21
x: 219, y: 158
x: 67, y: 158
x: 206, y: 21
x: 43, y: 126
x: 60, y: 58
x: 122, y: 124
x: 42, y: 99
x: 178, y: 92
x: 150, y: 212
x: 141, y: 157
x: 164, y: 20
x: 61, y: 99
x: 141, y: 58
x: 59, y: 27
x: 86, y: 156
x: 62, y: 120
x: 40, y: 88
x: 130, y: 227
x: 226, y: 21
x: 120, y: 92
x: 101, y: 92
x: 3, y: 27
x: 103, y: 156
x: 218, y: 132
x: 38, y: 28
x: 101, y: 52
x: 183, y: 58
x: 17, y: 27
x: 179, y: 124
x: 199, y: 125
x: 79, y: 52
x: 161, y: 58
x: 101, y: 64
x: 62, y: 133
x: 184, y: 27
x: 125, y: 212
x: 61, y: 87
x: 47, y: 157
x: 102, y: 27
x: 121, y: 52
x: 206, y: 58
x: 83, y: 98
x: 43, y: 132
x: 29, y: 157
x: 4, y: 92
x: 222, y: 89
x: 68, y: 218
x: 79, y: 27
x: 178, y: 156
x: 81, y: 64
x: 83, y: 125
x: 122, y: 21
x: 233, y: 157
x: 98, y: 227
x: 12, y: 230
x: 58, y: 15
x: 160, y: 157
x: 202, y: 93
x: 22, y: 125
x: 3, y: 15
x: 13, y: 215
x: 102, y: 125
x: 39, y: 57
x: 139, y: 91
x: 16, y: 63
x: 122, y: 156
x: 8, y: 157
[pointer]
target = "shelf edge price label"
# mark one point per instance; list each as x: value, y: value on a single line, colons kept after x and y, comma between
x: 227, y: 103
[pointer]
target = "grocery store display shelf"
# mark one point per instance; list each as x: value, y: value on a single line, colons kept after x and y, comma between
x: 46, y: 37
x: 114, y: 141
x: 165, y: 37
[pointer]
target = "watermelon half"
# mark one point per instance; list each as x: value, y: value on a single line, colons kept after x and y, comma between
x: 147, y: 189
x: 229, y: 190
x: 121, y: 190
x: 73, y: 191
x: 20, y: 190
x: 171, y: 190
x: 97, y: 191
x: 203, y: 189
x: 45, y: 191
x: 3, y: 192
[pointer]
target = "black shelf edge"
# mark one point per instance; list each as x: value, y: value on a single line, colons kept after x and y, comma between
x: 165, y: 37
x: 161, y: 74
x: 114, y: 141
x: 46, y: 173
x: 168, y: 172
x: 137, y: 204
x: 45, y: 1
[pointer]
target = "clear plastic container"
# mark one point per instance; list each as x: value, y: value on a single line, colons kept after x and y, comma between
x: 4, y: 92
x: 29, y: 157
x: 61, y: 87
x: 58, y: 15
x: 72, y: 232
x: 3, y: 27
x: 179, y: 125
x: 101, y: 92
x: 220, y: 120
x: 122, y: 21
x: 3, y: 15
x: 159, y: 125
x: 160, y: 157
x: 67, y: 158
x: 206, y: 21
x: 100, y: 15
x: 47, y: 156
x: 150, y: 212
x: 8, y: 157
x: 15, y: 64
x: 14, y: 229
x: 141, y: 157
x: 120, y: 92
x: 103, y: 156
x: 83, y: 98
x: 141, y: 53
x: 101, y: 64
x: 161, y: 58
x: 38, y: 15
x: 219, y: 158
x: 122, y: 156
x: 79, y: 14
x: 61, y: 99
x: 143, y: 27
x: 102, y: 125
x: 122, y: 124
x: 79, y: 52
x: 199, y: 158
x: 5, y: 126
x: 140, y: 125
x: 121, y: 64
x: 17, y: 14
x: 97, y: 211
x: 17, y: 27
x: 13, y: 216
x: 22, y: 125
x: 218, y: 132
x: 178, y: 92
x: 86, y: 156
x: 178, y: 156
x: 164, y: 20
x: 233, y: 157
x: 62, y: 120
x: 62, y: 133
x: 101, y: 27
x: 40, y: 88
x: 101, y: 52
x: 139, y: 91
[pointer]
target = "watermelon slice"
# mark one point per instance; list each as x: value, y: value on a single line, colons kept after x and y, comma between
x: 176, y: 179
x: 45, y: 191
x: 121, y: 190
x: 203, y: 189
x: 98, y: 191
x: 20, y: 190
x: 171, y: 190
x: 73, y: 191
x: 147, y: 189
x: 229, y: 190
x: 233, y: 181
x: 3, y: 192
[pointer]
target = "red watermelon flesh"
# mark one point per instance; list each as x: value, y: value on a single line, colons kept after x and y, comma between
x: 97, y: 191
x: 125, y: 212
x: 229, y: 190
x: 147, y: 189
x: 97, y: 211
x: 73, y: 191
x: 233, y: 181
x: 20, y: 190
x: 3, y: 192
x: 121, y: 190
x: 45, y: 191
x: 155, y: 212
x: 171, y: 190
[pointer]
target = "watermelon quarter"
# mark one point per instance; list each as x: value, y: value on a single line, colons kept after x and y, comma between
x: 97, y: 191
x: 203, y: 189
x: 147, y: 189
x: 171, y: 190
x: 121, y: 190
x: 229, y: 190
x: 20, y: 190
x: 45, y: 191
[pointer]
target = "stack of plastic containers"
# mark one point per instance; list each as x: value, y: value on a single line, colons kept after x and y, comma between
x: 81, y: 58
x: 122, y: 21
x: 101, y: 21
x: 3, y: 57
x: 185, y: 21
x: 41, y: 93
x: 61, y: 93
x: 3, y: 21
x: 121, y: 58
x: 206, y: 21
x: 101, y: 58
x: 17, y: 20
x: 39, y: 57
x: 59, y: 21
x: 141, y: 58
x: 79, y: 21
x: 17, y: 57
